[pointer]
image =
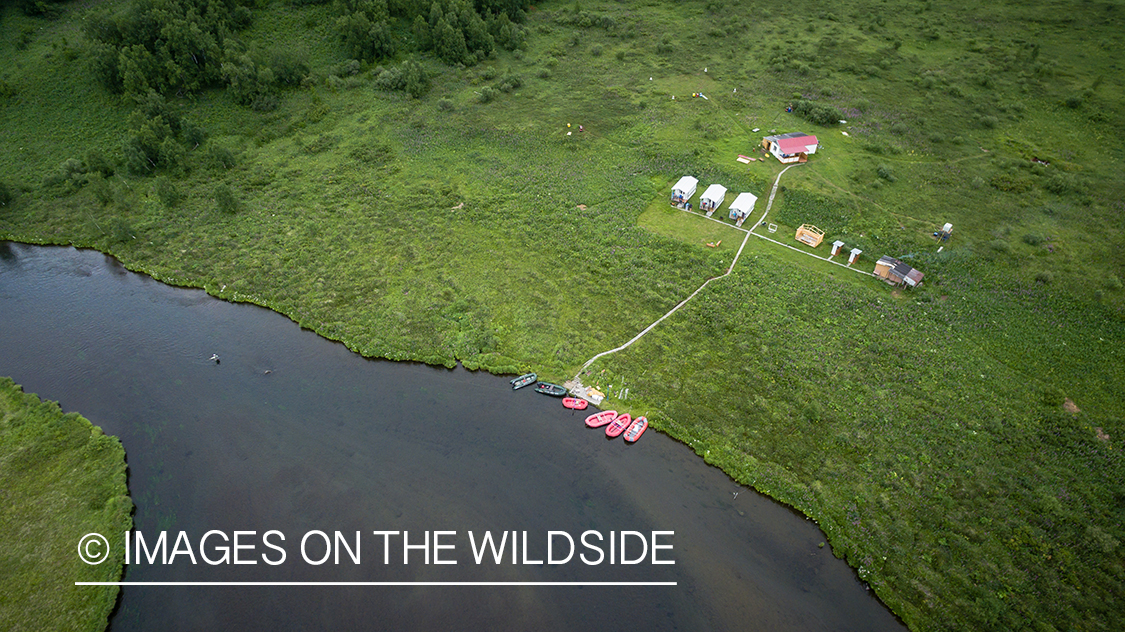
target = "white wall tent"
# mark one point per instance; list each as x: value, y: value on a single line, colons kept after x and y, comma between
x: 742, y: 205
x: 712, y: 198
x: 683, y: 190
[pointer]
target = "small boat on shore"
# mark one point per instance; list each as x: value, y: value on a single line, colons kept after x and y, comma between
x: 636, y: 429
x: 524, y: 380
x: 618, y: 426
x: 575, y: 404
x: 597, y: 420
x: 554, y: 390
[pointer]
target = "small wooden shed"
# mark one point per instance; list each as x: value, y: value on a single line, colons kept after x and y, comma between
x: 810, y: 235
x: 742, y: 206
x: 854, y: 256
x: 683, y: 190
x: 837, y: 246
x: 897, y: 272
x: 712, y: 198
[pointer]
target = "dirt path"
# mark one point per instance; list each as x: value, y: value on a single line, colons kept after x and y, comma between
x: 769, y: 204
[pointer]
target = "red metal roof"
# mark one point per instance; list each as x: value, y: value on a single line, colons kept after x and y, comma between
x: 795, y: 145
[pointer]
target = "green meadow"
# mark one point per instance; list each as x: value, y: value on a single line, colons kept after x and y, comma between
x: 63, y: 479
x: 960, y: 443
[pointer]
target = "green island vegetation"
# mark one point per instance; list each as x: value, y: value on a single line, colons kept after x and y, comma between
x: 408, y: 177
x: 62, y: 479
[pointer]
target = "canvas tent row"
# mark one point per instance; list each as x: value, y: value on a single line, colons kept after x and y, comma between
x: 742, y: 205
x: 683, y: 190
x: 712, y: 198
x: 791, y: 147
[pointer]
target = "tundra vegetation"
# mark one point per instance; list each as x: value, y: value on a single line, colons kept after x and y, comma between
x: 398, y: 175
x: 63, y: 479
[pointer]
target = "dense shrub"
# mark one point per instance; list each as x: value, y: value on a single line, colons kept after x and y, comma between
x: 509, y: 83
x: 167, y: 192
x: 364, y: 29
x: 224, y: 199
x: 157, y: 136
x: 886, y: 173
x: 6, y: 194
x: 163, y: 45
x: 409, y: 77
x: 250, y: 83
x: 120, y: 230
x: 816, y: 112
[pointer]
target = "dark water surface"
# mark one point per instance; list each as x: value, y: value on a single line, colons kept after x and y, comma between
x: 330, y: 441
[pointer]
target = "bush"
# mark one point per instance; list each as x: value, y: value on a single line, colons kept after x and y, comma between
x: 120, y: 231
x: 167, y: 192
x: 487, y: 94
x: 1061, y: 183
x: 1044, y: 278
x: 444, y: 104
x: 220, y: 158
x: 999, y: 245
x: 225, y: 200
x: 409, y: 77
x: 101, y: 189
x: 1033, y: 239
x: 6, y: 194
x: 886, y: 173
x: 816, y: 112
x: 988, y: 122
x: 510, y: 82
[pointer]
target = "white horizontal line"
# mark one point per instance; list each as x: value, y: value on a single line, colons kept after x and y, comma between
x: 375, y: 583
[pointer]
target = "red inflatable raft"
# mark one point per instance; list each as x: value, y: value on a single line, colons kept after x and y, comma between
x: 636, y: 429
x: 575, y: 403
x: 618, y: 426
x: 597, y: 420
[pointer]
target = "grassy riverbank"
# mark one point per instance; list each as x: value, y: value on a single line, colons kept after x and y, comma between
x: 928, y: 431
x: 63, y: 479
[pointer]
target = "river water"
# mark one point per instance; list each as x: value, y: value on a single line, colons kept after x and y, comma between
x: 293, y: 433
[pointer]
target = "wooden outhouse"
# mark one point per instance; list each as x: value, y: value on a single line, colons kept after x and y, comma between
x: 854, y: 256
x: 837, y: 246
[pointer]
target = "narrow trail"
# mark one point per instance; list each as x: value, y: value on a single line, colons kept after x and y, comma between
x: 773, y: 193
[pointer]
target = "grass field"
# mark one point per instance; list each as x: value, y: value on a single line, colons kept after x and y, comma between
x: 927, y: 431
x: 63, y: 479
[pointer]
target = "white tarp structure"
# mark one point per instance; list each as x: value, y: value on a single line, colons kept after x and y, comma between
x: 712, y: 198
x: 742, y: 205
x: 683, y: 190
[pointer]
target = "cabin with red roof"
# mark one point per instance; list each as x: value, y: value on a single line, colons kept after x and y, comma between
x: 791, y: 147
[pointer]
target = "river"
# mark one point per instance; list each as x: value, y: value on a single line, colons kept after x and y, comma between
x: 294, y: 433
